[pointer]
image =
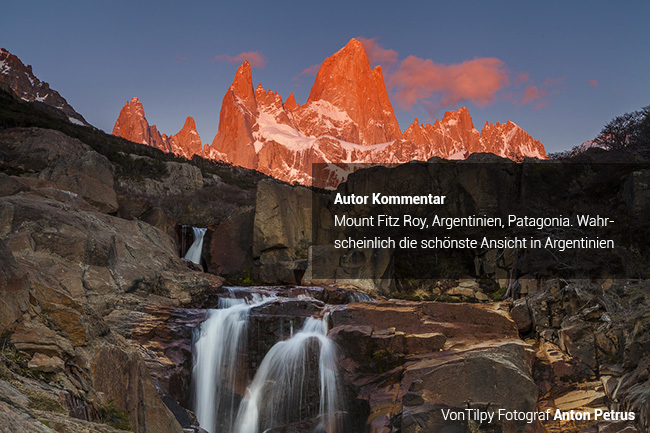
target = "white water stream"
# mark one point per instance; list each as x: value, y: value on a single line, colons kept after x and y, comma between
x: 281, y: 387
x: 194, y: 252
x: 278, y: 389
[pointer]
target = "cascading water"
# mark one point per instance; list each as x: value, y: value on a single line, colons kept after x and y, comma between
x: 218, y: 361
x: 297, y: 379
x: 194, y: 252
x: 280, y: 387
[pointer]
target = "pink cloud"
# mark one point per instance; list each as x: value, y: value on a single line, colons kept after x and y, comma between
x: 532, y: 94
x: 522, y: 77
x: 419, y: 80
x: 255, y: 58
x: 536, y: 95
x: 553, y: 82
x: 180, y: 58
x: 378, y: 55
x: 312, y: 70
x: 593, y: 83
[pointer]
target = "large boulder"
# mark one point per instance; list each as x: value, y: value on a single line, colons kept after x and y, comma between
x: 70, y: 164
x: 281, y: 231
x: 95, y: 255
x: 411, y: 360
x: 489, y: 378
x: 230, y: 245
x: 368, y: 270
x: 286, y: 251
x: 180, y: 179
x: 163, y: 334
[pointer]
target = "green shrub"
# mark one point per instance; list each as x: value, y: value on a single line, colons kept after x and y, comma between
x: 41, y: 401
x: 115, y: 417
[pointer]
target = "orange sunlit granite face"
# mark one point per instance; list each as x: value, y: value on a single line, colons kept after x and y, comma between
x: 133, y: 125
x: 348, y: 118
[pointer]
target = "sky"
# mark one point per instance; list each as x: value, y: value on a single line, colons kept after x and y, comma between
x: 559, y: 69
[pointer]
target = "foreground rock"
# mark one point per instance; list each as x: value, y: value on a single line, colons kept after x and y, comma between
x: 412, y: 360
x: 66, y: 162
x: 592, y: 349
x: 65, y: 267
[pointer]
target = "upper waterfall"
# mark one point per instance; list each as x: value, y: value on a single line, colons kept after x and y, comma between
x: 194, y: 252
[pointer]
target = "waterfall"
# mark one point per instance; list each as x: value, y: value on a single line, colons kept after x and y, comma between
x: 297, y: 379
x: 218, y: 363
x: 360, y: 297
x: 194, y: 252
x: 280, y: 390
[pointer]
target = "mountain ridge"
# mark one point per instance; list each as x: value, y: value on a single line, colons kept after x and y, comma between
x: 347, y: 118
x: 20, y: 79
x: 133, y: 125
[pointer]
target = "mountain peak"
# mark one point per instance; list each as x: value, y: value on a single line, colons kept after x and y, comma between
x: 509, y: 140
x: 347, y: 117
x: 187, y: 142
x: 461, y: 115
x: 189, y: 123
x: 354, y: 45
x: 349, y: 92
x: 133, y: 125
x: 291, y: 104
x: 134, y: 105
x: 243, y: 82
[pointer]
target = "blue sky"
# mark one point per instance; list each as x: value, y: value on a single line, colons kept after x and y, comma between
x: 564, y: 68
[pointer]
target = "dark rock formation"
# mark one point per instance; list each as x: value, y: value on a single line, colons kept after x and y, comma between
x: 65, y: 267
x: 281, y: 232
x: 409, y: 360
x: 230, y: 248
x: 66, y: 162
x: 592, y: 346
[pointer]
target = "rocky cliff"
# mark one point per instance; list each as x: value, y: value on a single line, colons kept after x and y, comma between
x: 66, y: 266
x: 456, y: 133
x: 133, y: 126
x: 98, y: 310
